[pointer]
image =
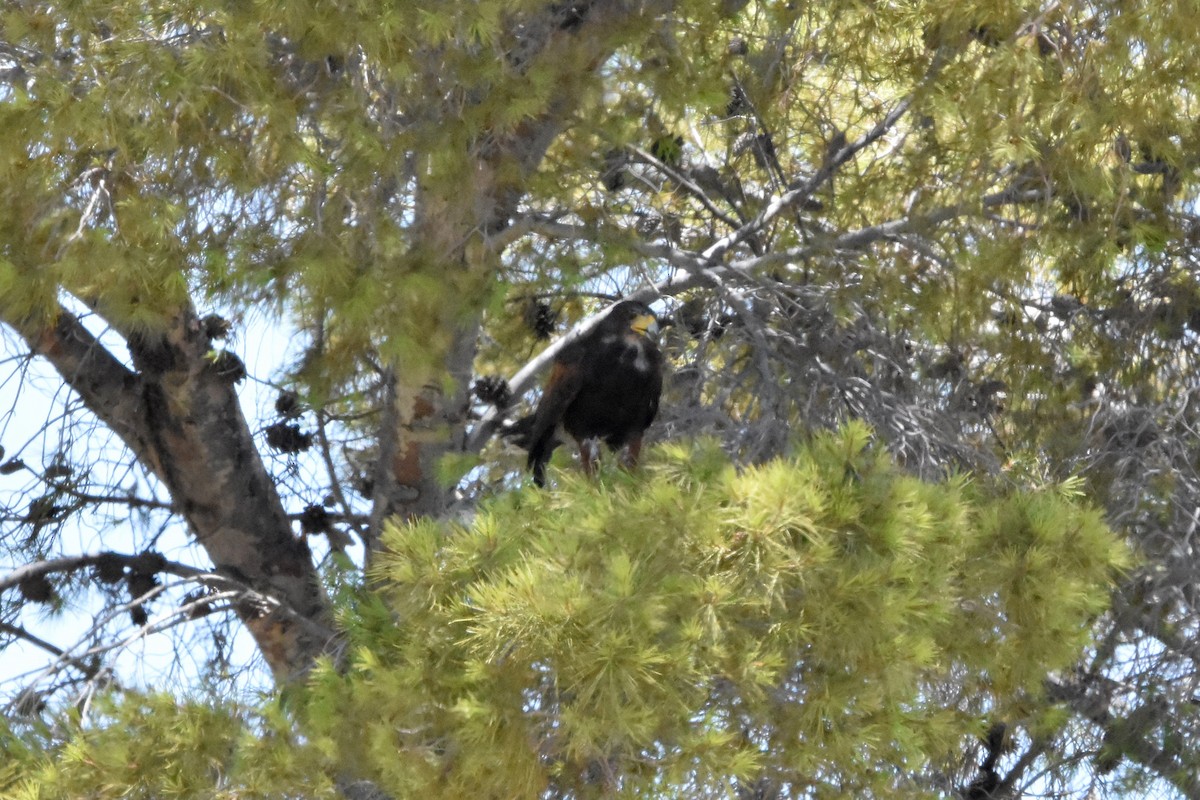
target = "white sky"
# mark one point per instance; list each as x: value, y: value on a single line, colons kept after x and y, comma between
x: 33, y: 431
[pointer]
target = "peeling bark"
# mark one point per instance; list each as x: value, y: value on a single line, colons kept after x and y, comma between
x: 419, y: 428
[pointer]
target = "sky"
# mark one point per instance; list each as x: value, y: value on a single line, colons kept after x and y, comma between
x: 34, y: 405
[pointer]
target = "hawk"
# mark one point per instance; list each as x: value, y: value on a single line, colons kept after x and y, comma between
x: 604, y: 385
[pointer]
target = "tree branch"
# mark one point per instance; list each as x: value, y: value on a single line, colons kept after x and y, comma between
x: 833, y: 162
x: 108, y: 388
x: 1131, y: 740
x: 182, y: 420
x: 687, y: 184
x: 155, y: 563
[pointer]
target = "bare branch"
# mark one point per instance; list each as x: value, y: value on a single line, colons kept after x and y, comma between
x: 109, y: 389
x: 1133, y: 741
x: 24, y: 635
x: 140, y: 561
x: 833, y: 162
x: 688, y: 184
x: 74, y: 563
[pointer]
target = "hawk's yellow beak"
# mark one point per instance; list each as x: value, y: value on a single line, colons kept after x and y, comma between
x: 646, y: 324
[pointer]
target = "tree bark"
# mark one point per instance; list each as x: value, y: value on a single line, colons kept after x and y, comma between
x: 177, y: 409
x: 179, y: 414
x: 456, y: 223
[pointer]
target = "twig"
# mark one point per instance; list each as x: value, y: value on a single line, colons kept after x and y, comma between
x: 687, y: 184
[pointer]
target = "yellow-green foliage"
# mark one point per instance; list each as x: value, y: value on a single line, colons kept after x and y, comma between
x: 825, y: 618
x: 157, y: 746
x: 160, y: 154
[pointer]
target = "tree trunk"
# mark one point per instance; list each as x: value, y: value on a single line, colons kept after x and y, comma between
x: 179, y: 414
x: 457, y: 218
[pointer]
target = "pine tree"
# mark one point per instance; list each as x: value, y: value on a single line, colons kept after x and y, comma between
x: 824, y: 622
x: 966, y: 225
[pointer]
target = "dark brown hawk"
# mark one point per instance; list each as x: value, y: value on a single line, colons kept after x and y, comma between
x: 604, y: 385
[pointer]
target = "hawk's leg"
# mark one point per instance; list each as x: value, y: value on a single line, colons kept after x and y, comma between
x: 633, y: 452
x: 589, y: 456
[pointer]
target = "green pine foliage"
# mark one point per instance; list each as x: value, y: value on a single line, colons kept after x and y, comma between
x: 824, y: 620
x: 243, y: 168
x: 161, y: 746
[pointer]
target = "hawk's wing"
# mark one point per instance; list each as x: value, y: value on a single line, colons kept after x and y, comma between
x: 562, y: 386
